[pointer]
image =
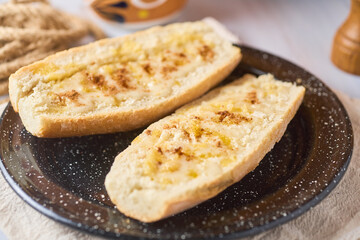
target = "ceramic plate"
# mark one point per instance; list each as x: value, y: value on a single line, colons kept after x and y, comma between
x: 63, y: 178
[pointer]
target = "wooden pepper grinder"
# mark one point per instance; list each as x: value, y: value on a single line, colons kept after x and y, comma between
x: 346, y: 45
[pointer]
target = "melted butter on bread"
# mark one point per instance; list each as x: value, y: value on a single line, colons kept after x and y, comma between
x: 202, y: 148
x: 123, y: 83
x: 135, y: 73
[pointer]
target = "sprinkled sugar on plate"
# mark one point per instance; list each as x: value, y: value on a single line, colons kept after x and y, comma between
x: 63, y: 178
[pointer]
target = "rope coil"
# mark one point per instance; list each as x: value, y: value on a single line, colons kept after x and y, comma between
x: 31, y: 30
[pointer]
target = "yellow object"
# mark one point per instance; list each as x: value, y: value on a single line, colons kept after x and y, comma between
x: 143, y: 14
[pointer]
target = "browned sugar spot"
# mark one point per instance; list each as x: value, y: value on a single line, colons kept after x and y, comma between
x: 230, y: 118
x: 147, y: 68
x: 159, y: 150
x: 174, y: 59
x: 100, y: 83
x: 197, y: 118
x: 223, y: 115
x: 111, y: 90
x: 186, y: 134
x: 180, y: 59
x: 181, y: 55
x: 165, y: 70
x: 57, y: 99
x: 251, y: 97
x: 206, y: 53
x: 98, y: 80
x: 167, y: 126
x: 178, y: 151
x: 148, y: 132
x: 72, y: 95
x: 121, y: 77
x: 199, y: 132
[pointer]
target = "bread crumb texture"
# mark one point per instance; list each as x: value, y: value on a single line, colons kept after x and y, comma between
x: 125, y: 73
x: 202, y: 148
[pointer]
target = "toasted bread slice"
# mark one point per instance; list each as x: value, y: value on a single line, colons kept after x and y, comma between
x: 123, y: 83
x: 204, y: 147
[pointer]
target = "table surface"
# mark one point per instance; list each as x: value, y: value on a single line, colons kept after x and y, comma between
x: 299, y: 31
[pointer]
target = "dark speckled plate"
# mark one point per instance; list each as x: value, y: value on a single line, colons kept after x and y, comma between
x: 63, y: 178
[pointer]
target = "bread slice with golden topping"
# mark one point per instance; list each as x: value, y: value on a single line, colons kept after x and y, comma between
x: 204, y: 147
x: 122, y: 83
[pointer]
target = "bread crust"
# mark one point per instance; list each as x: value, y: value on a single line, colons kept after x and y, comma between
x: 23, y: 81
x: 196, y: 194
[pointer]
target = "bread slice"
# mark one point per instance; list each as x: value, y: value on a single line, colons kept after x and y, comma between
x: 204, y: 147
x: 122, y: 83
